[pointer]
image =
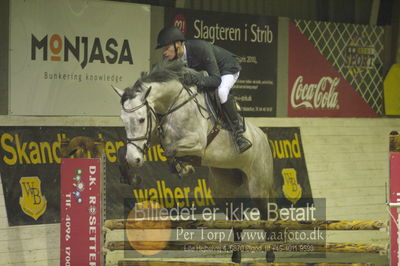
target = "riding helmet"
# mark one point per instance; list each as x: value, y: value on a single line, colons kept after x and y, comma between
x: 168, y: 35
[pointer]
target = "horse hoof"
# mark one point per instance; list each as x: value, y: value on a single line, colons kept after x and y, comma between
x: 184, y: 169
x: 188, y: 169
x: 236, y: 257
x: 270, y: 256
x: 136, y: 180
x: 124, y: 180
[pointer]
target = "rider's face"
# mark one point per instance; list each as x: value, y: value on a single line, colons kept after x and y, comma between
x: 169, y: 52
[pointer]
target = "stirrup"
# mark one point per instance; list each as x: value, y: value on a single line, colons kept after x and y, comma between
x: 247, y: 144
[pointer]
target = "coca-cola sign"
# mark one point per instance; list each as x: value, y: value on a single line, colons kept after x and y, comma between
x: 315, y: 95
x: 316, y: 88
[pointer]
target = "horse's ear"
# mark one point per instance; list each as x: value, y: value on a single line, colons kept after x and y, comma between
x: 118, y: 91
x: 146, y: 94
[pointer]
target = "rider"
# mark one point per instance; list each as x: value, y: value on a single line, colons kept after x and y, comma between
x: 222, y: 68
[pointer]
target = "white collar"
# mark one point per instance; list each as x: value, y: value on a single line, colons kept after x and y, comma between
x: 184, y: 56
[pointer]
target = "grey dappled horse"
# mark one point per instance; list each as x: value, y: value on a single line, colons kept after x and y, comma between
x: 160, y: 108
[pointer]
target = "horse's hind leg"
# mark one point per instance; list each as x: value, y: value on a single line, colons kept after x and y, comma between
x: 237, y: 238
x: 228, y: 185
x: 263, y: 208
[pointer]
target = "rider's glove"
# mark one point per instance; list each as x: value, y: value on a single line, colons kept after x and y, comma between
x: 192, y: 78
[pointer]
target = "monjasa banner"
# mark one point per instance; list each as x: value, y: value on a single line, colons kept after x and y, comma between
x: 30, y: 159
x: 63, y: 53
x: 252, y: 38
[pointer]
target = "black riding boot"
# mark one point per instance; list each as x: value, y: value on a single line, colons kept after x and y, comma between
x: 236, y: 123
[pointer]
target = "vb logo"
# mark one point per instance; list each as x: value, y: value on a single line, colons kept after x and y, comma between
x: 32, y: 202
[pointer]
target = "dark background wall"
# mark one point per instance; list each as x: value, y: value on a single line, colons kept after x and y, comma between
x: 372, y: 12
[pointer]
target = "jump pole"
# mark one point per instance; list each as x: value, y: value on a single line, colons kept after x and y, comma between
x: 119, y: 224
x: 252, y: 246
x: 394, y: 198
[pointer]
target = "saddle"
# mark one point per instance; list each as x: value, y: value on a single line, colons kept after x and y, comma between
x: 214, y: 108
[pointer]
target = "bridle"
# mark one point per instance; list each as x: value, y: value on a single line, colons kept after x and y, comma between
x: 159, y: 118
x: 147, y: 135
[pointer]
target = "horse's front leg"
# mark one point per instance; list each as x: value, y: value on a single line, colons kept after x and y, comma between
x: 191, y: 146
x: 179, y: 167
x: 128, y: 175
x: 180, y: 143
x: 177, y: 162
x: 184, y: 147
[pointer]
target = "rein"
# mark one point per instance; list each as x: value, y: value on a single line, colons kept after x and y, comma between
x: 171, y: 110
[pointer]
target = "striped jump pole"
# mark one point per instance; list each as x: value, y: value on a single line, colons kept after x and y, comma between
x: 257, y: 224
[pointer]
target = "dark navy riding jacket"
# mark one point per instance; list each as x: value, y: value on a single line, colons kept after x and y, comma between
x: 216, y: 61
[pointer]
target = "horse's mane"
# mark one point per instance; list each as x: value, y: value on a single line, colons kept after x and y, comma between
x: 162, y: 72
x: 165, y: 71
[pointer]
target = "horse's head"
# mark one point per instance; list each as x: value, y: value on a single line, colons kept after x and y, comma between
x: 136, y: 115
x: 139, y: 111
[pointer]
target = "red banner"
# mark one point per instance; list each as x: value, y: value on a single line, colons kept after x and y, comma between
x: 316, y: 88
x: 81, y: 219
x: 394, y: 199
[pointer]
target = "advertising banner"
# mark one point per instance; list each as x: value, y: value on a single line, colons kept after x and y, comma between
x: 290, y: 169
x: 394, y: 198
x: 81, y: 212
x: 341, y: 78
x: 30, y: 159
x: 252, y: 38
x: 391, y: 87
x: 65, y: 55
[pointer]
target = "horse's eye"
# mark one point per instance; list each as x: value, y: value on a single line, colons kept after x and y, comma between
x: 141, y: 120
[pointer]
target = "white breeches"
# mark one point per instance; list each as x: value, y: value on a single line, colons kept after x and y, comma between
x: 227, y: 82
